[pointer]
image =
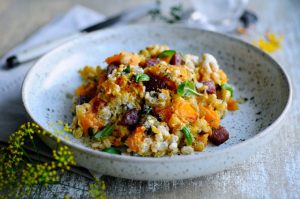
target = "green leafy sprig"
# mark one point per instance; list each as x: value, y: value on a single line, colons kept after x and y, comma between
x: 166, y: 53
x: 106, y: 131
x: 176, y: 14
x: 20, y: 175
x: 187, y: 89
x: 112, y: 150
x: 188, y: 135
x: 142, y: 78
x: 229, y: 88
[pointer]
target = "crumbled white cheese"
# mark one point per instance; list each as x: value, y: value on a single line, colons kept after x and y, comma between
x: 199, y: 84
x: 159, y: 137
x: 164, y: 130
x: 159, y: 146
x: 149, y: 97
x: 130, y: 106
x: 209, y: 63
x: 136, y: 69
x: 173, y: 146
x: 150, y: 120
x: 105, y: 113
x: 191, y: 61
x: 174, y: 138
x: 145, y: 146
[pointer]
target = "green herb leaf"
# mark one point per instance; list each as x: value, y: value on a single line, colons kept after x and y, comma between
x: 142, y: 78
x: 188, y: 135
x: 166, y: 53
x: 127, y: 70
x: 106, y: 131
x: 229, y: 88
x: 112, y: 150
x: 147, y: 110
x: 176, y: 12
x: 187, y: 88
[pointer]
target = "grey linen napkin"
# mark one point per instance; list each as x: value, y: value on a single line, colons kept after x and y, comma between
x: 12, y: 110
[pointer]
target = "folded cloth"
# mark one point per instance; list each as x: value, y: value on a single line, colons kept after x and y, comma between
x: 12, y: 111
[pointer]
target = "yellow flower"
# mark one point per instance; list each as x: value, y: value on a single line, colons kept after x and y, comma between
x: 16, y: 173
x: 270, y: 43
x: 97, y: 189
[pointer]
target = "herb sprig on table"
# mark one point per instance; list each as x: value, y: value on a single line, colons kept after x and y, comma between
x: 176, y: 13
x: 20, y: 175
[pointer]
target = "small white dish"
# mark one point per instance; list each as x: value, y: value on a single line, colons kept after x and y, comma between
x: 254, y: 74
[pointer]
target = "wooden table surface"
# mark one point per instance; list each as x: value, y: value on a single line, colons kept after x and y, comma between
x: 271, y: 173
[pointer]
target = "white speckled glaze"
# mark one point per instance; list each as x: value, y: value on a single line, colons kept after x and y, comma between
x: 254, y: 74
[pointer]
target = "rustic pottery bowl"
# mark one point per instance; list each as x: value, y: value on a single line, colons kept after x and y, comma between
x: 255, y: 76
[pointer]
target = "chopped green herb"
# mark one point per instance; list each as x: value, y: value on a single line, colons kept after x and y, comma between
x: 187, y: 88
x: 112, y: 150
x: 229, y: 88
x: 188, y: 135
x: 176, y: 14
x: 147, y: 110
x: 127, y: 70
x: 142, y: 78
x: 166, y: 53
x: 106, y: 131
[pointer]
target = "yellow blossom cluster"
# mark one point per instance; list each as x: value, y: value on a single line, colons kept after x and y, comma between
x: 270, y: 43
x: 96, y: 189
x: 18, y: 174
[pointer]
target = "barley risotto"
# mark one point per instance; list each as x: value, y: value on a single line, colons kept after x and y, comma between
x: 153, y: 103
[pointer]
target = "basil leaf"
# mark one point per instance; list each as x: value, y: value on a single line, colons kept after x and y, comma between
x: 188, y: 135
x: 106, y: 131
x: 127, y: 70
x: 142, y: 78
x: 229, y: 88
x: 112, y: 150
x: 187, y: 89
x: 166, y: 53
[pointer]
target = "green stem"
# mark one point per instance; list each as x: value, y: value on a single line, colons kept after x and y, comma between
x: 25, y: 153
x: 194, y: 92
x: 35, y: 148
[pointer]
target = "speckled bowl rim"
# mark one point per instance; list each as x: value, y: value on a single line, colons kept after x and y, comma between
x: 176, y: 158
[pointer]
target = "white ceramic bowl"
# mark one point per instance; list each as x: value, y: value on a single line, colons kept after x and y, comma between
x: 254, y: 74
